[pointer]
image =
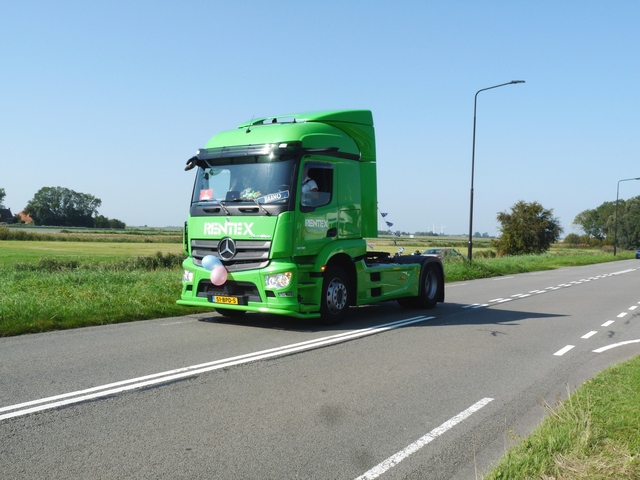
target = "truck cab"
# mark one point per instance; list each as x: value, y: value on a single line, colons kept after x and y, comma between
x: 280, y: 212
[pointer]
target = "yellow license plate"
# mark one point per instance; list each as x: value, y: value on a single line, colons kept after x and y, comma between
x: 225, y: 300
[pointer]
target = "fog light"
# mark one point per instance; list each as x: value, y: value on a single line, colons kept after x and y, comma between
x: 187, y: 276
x: 279, y: 280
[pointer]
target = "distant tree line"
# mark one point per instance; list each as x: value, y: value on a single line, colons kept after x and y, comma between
x: 63, y: 207
x: 599, y: 224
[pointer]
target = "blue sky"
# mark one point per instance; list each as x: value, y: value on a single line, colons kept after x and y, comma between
x: 112, y: 97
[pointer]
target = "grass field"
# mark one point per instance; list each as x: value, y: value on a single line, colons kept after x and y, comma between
x: 16, y: 251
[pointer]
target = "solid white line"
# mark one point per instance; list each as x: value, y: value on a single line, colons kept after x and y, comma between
x: 162, y: 377
x: 564, y: 350
x: 589, y: 335
x: 607, y: 323
x: 392, y: 461
x: 608, y: 347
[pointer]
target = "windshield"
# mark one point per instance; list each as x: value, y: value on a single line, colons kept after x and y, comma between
x: 257, y: 179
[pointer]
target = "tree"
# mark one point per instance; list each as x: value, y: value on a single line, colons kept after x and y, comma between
x: 600, y: 223
x: 63, y: 207
x: 2, y: 195
x: 529, y: 228
x: 103, y: 222
x: 597, y: 222
x: 629, y: 224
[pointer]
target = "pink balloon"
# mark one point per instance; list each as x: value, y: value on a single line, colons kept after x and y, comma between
x: 218, y: 275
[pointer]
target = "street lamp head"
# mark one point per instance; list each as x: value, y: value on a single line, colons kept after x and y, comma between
x: 517, y: 81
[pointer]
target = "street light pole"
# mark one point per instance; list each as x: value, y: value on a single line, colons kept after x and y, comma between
x: 473, y: 155
x: 615, y: 231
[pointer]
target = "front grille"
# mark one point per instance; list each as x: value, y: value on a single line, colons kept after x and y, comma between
x: 250, y: 254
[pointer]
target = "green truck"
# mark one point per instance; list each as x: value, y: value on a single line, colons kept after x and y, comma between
x: 280, y: 213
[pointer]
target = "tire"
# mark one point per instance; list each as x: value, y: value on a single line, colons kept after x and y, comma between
x: 230, y: 313
x: 431, y: 284
x: 335, y: 296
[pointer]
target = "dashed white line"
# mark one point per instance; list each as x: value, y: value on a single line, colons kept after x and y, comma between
x: 564, y: 350
x: 393, y: 460
x: 589, y: 335
x: 623, y: 314
x: 607, y: 323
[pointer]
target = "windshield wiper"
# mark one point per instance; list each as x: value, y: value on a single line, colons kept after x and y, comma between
x: 225, y: 208
x: 255, y: 200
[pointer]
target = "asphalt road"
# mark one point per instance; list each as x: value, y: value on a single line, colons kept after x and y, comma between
x: 390, y: 394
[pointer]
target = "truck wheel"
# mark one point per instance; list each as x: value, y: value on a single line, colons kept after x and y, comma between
x: 335, y: 296
x: 430, y: 285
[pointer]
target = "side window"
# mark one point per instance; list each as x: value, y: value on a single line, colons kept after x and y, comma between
x: 316, y: 187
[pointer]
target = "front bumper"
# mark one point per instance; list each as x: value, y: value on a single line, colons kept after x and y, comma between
x: 248, y: 289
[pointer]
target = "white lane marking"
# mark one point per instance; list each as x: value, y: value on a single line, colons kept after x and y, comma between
x: 393, y: 460
x: 156, y: 378
x: 607, y: 323
x: 497, y: 279
x: 623, y: 271
x: 633, y: 308
x: 476, y: 305
x: 609, y: 347
x: 623, y: 314
x: 496, y: 300
x: 589, y: 335
x: 564, y: 350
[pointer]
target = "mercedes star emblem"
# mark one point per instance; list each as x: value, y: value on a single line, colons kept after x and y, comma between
x: 227, y: 248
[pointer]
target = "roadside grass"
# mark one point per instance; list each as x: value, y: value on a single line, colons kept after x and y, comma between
x: 501, y: 266
x: 594, y: 434
x: 54, y: 293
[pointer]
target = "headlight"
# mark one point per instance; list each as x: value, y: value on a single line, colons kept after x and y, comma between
x: 279, y: 280
x: 187, y: 276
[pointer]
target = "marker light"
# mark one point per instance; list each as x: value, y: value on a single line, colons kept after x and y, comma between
x: 187, y: 276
